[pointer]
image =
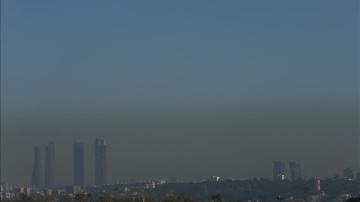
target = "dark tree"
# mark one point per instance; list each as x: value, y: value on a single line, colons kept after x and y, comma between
x: 80, y: 197
x: 353, y: 200
x: 65, y: 198
x: 217, y: 198
x: 25, y: 197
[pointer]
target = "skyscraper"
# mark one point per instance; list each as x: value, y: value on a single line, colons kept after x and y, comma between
x: 50, y: 165
x: 317, y: 184
x: 100, y: 162
x: 349, y: 174
x: 36, y: 179
x: 295, y: 171
x: 279, y: 170
x: 79, y: 166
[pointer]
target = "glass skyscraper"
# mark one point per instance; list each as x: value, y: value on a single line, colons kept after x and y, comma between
x: 37, y: 178
x: 50, y: 165
x: 295, y: 171
x: 279, y: 170
x: 79, y: 164
x: 100, y: 163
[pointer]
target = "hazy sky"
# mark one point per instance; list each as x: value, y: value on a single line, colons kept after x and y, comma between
x: 185, y: 89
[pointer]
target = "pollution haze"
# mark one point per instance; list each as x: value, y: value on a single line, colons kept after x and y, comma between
x: 186, y: 89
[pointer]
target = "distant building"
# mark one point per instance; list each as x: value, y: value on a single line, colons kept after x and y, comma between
x: 76, y: 189
x: 279, y: 170
x: 100, y: 163
x: 79, y: 164
x: 37, y: 179
x: 358, y: 175
x: 295, y: 171
x: 215, y: 178
x: 173, y: 180
x: 317, y: 184
x: 50, y: 165
x: 349, y: 174
x: 26, y: 191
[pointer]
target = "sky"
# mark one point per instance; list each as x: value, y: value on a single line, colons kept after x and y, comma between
x: 185, y: 89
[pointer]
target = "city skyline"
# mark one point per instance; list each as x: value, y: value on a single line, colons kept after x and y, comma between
x: 186, y: 89
x: 47, y: 178
x: 280, y: 170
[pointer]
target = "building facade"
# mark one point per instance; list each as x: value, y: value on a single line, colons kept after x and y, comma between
x: 37, y: 178
x: 295, y: 171
x: 279, y: 170
x: 100, y: 163
x: 50, y: 165
x: 349, y: 174
x: 79, y: 164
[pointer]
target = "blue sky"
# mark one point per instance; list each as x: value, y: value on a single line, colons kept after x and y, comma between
x: 87, y: 57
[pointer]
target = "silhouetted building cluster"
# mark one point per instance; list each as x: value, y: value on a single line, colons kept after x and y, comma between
x: 48, y: 180
x: 37, y: 175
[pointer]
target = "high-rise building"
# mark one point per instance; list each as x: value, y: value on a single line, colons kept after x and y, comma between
x: 79, y: 164
x: 358, y: 175
x: 37, y: 178
x: 295, y: 171
x: 279, y: 170
x: 50, y: 165
x: 317, y: 184
x: 349, y: 173
x: 100, y: 163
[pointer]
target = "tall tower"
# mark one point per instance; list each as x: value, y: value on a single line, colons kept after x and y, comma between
x: 279, y: 170
x: 50, y: 165
x: 295, y: 171
x: 36, y: 179
x: 100, y: 163
x: 79, y: 167
x: 349, y: 174
x: 317, y: 184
